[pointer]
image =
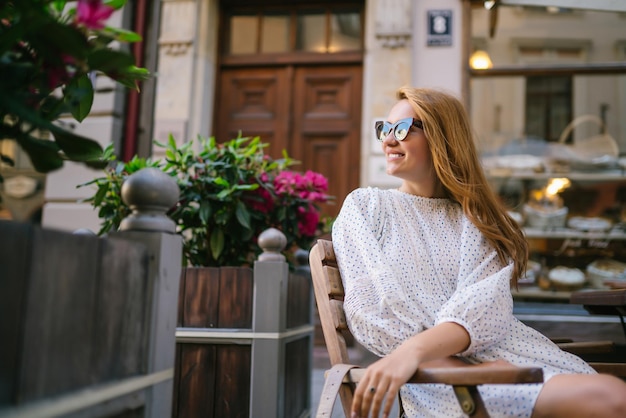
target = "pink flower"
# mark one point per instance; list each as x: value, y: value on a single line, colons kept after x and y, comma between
x: 317, y: 181
x: 307, y: 221
x: 59, y: 74
x: 92, y: 13
x: 261, y: 201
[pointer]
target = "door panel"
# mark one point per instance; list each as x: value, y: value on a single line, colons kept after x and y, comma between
x: 253, y: 102
x: 326, y: 134
x: 311, y: 111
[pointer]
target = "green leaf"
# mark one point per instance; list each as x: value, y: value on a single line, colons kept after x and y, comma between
x: 96, y: 164
x: 44, y: 154
x: 52, y: 107
x: 116, y: 4
x: 108, y: 60
x: 129, y: 76
x: 79, y: 96
x: 242, y: 214
x: 100, y: 194
x: 205, y: 212
x: 221, y: 181
x: 55, y: 36
x: 217, y: 242
x: 122, y: 35
x: 76, y: 147
x: 58, y: 5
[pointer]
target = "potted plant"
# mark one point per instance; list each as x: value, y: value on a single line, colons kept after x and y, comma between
x: 229, y: 194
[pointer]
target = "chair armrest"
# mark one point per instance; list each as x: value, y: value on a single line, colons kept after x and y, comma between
x: 467, y: 375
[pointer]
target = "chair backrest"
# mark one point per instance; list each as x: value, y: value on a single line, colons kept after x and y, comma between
x: 329, y: 295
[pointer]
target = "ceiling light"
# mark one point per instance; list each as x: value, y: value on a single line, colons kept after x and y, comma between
x: 480, y: 60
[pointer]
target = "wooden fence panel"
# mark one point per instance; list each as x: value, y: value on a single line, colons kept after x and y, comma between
x: 14, y: 248
x: 233, y: 380
x: 194, y: 382
x: 199, y: 297
x: 298, y: 366
x: 299, y: 300
x: 235, y: 302
x: 217, y: 342
x: 73, y: 312
x: 59, y: 317
x: 121, y: 307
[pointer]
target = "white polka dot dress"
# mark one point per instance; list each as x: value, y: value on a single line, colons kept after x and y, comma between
x: 409, y: 263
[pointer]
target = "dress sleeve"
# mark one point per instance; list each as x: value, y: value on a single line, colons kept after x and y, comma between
x: 482, y: 302
x: 372, y: 289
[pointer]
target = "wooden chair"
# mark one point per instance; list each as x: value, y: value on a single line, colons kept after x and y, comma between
x: 343, y: 376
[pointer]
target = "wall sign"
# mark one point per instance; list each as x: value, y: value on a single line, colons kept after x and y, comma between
x: 439, y: 28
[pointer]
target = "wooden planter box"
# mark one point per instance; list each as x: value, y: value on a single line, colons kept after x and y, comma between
x: 78, y: 316
x: 234, y: 362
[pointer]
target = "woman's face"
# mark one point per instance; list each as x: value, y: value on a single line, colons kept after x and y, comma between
x: 410, y: 159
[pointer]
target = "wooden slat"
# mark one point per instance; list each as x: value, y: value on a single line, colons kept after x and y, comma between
x: 121, y: 311
x: 232, y: 376
x: 298, y: 300
x: 588, y: 347
x: 297, y: 384
x: 484, y: 373
x: 339, y: 315
x: 335, y: 286
x: 15, y: 244
x: 60, y: 313
x: 335, y: 342
x: 616, y: 369
x: 200, y: 300
x: 194, y: 380
x: 327, y: 253
x: 235, y: 301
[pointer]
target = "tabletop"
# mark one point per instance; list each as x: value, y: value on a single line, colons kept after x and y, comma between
x: 602, y: 302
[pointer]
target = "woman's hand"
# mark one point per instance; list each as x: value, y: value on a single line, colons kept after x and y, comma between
x: 381, y: 383
x: 382, y: 380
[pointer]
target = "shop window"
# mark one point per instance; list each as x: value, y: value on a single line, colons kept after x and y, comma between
x: 548, y: 106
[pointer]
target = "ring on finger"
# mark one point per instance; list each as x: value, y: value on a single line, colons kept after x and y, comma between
x: 372, y: 389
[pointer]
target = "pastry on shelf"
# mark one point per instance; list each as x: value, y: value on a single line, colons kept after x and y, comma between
x: 545, y: 207
x: 566, y: 278
x: 605, y: 273
x: 591, y: 224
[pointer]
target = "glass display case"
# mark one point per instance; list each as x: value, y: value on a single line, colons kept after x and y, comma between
x: 548, y: 103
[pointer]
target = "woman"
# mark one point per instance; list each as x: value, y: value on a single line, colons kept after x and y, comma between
x: 427, y: 270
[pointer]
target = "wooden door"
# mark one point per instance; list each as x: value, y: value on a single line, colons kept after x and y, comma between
x: 312, y: 111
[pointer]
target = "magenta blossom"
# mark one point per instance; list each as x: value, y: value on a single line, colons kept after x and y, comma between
x: 262, y: 200
x: 92, y: 13
x: 308, y: 221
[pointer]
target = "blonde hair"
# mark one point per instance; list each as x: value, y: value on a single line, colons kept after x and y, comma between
x: 456, y: 163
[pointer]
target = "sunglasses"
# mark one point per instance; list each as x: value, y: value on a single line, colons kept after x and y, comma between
x: 400, y: 129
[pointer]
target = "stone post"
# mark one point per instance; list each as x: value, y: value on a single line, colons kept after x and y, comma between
x: 150, y: 193
x: 271, y: 274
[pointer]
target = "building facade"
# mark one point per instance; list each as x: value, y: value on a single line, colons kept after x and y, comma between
x: 311, y: 77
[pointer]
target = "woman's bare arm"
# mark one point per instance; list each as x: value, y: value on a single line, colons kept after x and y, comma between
x: 388, y: 374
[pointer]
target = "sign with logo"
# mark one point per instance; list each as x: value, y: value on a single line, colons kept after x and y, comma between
x: 439, y: 28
